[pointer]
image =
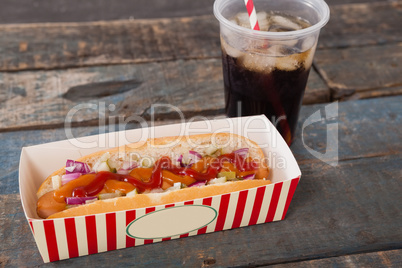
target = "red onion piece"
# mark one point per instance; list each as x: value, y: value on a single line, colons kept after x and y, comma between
x: 69, y: 177
x: 79, y: 200
x: 249, y: 177
x: 127, y: 166
x: 182, y: 164
x: 242, y: 152
x: 197, y: 184
x: 195, y: 156
x: 77, y: 167
x: 180, y: 160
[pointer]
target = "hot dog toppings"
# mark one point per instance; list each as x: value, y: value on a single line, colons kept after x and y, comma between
x: 80, y: 185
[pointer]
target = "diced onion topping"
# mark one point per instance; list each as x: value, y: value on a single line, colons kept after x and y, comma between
x: 194, y: 156
x: 79, y: 200
x: 69, y: 177
x: 197, y: 184
x: 56, y: 182
x: 218, y: 180
x: 76, y: 167
x: 242, y: 152
x: 104, y: 157
x: 103, y: 166
x: 132, y: 193
x: 112, y: 164
x: 103, y: 163
x: 181, y: 162
x: 249, y: 177
x: 176, y: 186
x: 127, y: 167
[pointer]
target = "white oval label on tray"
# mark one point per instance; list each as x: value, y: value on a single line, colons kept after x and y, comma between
x: 171, y: 221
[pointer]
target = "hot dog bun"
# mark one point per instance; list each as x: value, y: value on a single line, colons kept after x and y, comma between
x: 154, y: 149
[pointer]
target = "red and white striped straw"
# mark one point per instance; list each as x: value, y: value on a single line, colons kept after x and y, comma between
x: 252, y: 14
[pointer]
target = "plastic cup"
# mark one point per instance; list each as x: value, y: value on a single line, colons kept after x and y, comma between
x: 266, y: 72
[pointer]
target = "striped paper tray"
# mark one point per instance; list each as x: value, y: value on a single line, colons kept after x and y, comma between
x: 59, y: 239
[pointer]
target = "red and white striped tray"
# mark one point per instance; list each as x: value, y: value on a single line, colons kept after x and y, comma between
x: 59, y: 239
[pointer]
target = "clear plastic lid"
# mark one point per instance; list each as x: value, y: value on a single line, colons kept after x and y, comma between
x: 316, y: 12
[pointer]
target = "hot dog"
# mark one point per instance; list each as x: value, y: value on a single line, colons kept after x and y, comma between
x: 156, y: 172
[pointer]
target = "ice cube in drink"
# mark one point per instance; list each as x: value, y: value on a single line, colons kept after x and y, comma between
x: 267, y: 76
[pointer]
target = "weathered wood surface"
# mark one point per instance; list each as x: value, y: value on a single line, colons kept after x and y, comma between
x: 44, y: 98
x: 324, y: 220
x: 362, y: 24
x: 26, y: 47
x: 389, y: 258
x: 378, y: 135
x: 370, y: 71
x: 170, y: 58
x: 348, y: 209
x: 366, y: 128
x: 31, y: 11
x: 342, y: 215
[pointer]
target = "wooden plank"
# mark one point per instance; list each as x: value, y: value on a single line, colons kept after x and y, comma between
x: 44, y: 98
x: 362, y: 24
x: 389, y: 91
x: 378, y: 133
x: 389, y: 258
x: 365, y: 128
x: 30, y: 11
x: 361, y: 72
x: 335, y: 211
x: 27, y: 47
x: 383, y: 124
x: 343, y: 2
x: 15, y: 234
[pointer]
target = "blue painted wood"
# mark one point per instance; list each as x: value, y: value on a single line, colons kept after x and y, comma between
x: 378, y: 133
x: 351, y: 208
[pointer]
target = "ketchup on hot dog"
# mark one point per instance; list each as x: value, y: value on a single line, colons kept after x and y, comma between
x: 204, y: 170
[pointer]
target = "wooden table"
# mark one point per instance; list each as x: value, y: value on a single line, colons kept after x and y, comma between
x: 343, y: 215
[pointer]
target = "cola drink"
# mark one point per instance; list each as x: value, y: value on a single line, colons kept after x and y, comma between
x: 268, y: 77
